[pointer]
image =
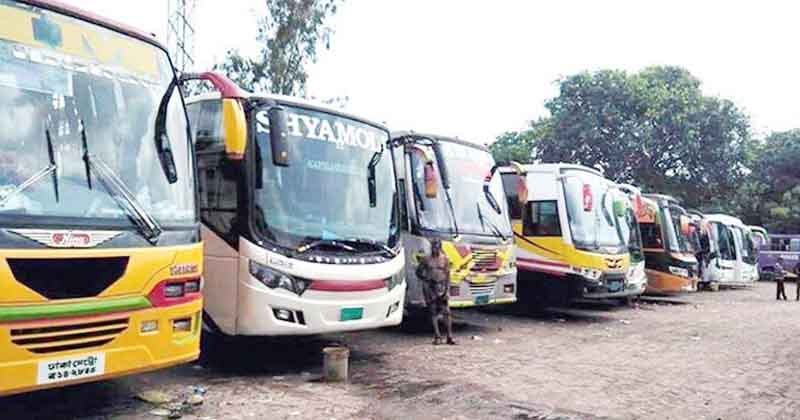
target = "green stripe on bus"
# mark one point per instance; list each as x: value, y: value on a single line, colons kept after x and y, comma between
x: 66, y: 310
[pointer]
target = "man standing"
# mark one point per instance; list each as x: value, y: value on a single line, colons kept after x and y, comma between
x: 433, y: 272
x: 779, y: 278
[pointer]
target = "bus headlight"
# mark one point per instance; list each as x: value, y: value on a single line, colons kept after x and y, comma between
x: 679, y: 271
x: 276, y: 280
x: 395, y: 280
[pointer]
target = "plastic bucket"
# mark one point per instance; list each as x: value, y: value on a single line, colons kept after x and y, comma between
x: 334, y: 363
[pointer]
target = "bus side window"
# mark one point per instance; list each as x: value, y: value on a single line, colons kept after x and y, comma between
x: 217, y: 175
x: 541, y: 219
x: 651, y: 236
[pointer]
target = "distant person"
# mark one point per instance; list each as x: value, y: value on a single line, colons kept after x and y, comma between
x: 780, y: 276
x: 433, y: 272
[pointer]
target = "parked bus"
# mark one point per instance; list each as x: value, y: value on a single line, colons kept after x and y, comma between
x: 300, y: 216
x: 669, y: 255
x: 779, y: 245
x: 567, y: 234
x: 446, y: 194
x: 628, y: 223
x: 731, y: 262
x: 101, y: 258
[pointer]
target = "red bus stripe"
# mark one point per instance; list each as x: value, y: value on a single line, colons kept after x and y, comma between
x: 526, y: 267
x: 346, y: 285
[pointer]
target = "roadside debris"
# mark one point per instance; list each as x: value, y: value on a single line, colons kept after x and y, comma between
x: 154, y: 397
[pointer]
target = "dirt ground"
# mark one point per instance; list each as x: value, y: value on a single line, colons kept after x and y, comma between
x: 732, y: 354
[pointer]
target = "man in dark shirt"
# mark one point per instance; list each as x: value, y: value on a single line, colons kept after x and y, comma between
x: 433, y: 272
x: 780, y: 275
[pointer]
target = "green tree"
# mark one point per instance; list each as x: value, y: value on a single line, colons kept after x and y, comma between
x: 653, y: 128
x: 289, y: 34
x: 770, y: 195
x: 519, y: 146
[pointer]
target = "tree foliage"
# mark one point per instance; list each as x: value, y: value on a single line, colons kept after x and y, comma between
x: 519, y: 145
x: 770, y: 196
x: 653, y: 128
x: 289, y: 34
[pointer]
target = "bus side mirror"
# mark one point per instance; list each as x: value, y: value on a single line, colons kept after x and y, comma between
x: 234, y: 128
x: 431, y: 187
x: 278, y: 136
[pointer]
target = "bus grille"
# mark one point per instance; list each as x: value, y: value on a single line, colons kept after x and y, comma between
x: 484, y: 260
x: 68, y: 278
x: 66, y: 337
x: 477, y: 289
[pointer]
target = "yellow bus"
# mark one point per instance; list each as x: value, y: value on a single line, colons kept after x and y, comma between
x: 446, y: 194
x: 569, y: 242
x: 101, y: 261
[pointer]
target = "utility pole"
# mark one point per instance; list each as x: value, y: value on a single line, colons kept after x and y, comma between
x: 180, y: 33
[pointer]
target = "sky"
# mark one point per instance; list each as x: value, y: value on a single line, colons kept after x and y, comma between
x: 476, y: 69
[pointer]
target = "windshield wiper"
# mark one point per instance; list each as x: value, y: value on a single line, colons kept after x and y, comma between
x: 324, y: 242
x: 374, y: 243
x: 49, y: 169
x: 484, y: 221
x: 144, y: 222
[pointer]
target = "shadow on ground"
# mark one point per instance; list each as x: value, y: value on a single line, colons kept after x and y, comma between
x: 93, y: 400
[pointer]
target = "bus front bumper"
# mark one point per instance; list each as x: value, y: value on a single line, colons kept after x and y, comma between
x: 502, y: 290
x: 660, y: 283
x: 275, y: 312
x: 31, y: 359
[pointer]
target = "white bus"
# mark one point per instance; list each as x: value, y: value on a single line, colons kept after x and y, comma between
x: 300, y: 216
x: 732, y: 260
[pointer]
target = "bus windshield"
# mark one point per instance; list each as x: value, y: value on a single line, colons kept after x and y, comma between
x: 748, y: 251
x: 590, y: 209
x: 725, y: 243
x: 677, y: 239
x: 67, y: 89
x: 467, y: 167
x: 323, y: 194
x: 629, y: 231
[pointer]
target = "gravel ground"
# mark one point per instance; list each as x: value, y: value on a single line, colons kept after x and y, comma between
x: 709, y: 355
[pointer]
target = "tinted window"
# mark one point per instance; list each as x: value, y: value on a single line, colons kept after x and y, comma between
x: 510, y: 187
x: 651, y: 235
x: 216, y: 174
x: 541, y: 219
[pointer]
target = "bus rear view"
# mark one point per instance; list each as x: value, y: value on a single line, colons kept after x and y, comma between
x: 101, y: 259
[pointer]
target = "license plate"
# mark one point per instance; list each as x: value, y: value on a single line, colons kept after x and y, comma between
x: 482, y: 300
x: 71, y: 368
x: 351, y: 314
x: 614, y: 286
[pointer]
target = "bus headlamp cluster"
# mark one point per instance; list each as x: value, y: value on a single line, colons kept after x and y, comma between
x: 679, y: 271
x: 395, y: 280
x: 276, y: 280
